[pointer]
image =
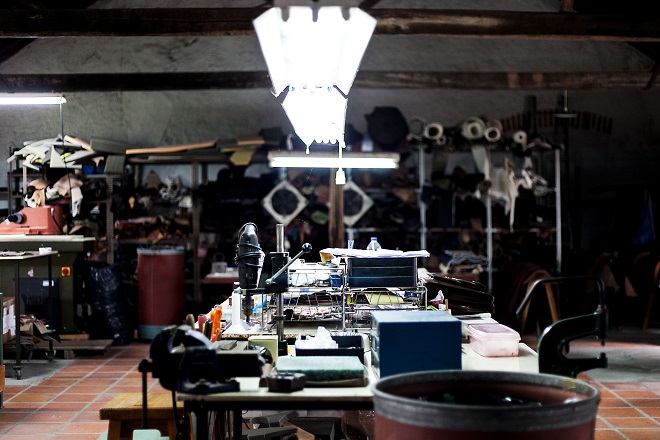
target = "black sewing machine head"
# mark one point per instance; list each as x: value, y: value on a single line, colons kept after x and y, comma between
x: 185, y: 360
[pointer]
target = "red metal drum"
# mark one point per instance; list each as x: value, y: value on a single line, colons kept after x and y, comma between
x: 161, y: 289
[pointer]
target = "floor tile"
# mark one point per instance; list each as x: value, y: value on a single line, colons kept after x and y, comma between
x: 50, y: 416
x: 641, y: 434
x: 34, y: 397
x: 619, y: 412
x: 7, y: 417
x: 645, y: 403
x: 632, y: 422
x: 75, y: 436
x: 651, y: 412
x: 636, y: 394
x: 35, y: 428
x: 64, y: 406
x: 624, y: 386
x: 84, y: 428
x: 609, y: 434
x: 75, y: 398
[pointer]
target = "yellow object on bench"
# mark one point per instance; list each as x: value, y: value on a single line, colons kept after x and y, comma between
x: 124, y: 413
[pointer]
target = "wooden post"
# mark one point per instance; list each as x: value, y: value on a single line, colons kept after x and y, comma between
x: 336, y: 233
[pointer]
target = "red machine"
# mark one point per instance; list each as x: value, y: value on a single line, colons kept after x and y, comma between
x: 43, y: 220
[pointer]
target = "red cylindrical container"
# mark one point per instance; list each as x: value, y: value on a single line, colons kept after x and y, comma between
x: 161, y: 289
x: 484, y: 405
x: 201, y: 320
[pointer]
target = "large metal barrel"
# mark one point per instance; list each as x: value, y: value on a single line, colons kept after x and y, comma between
x: 161, y: 289
x: 484, y: 405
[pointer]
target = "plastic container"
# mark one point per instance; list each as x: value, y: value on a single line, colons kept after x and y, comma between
x: 373, y: 244
x: 493, y: 340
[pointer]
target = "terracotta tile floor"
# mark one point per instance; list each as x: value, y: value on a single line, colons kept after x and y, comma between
x: 66, y: 404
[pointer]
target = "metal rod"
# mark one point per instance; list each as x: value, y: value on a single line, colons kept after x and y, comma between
x: 279, y: 233
x: 489, y: 232
x: 558, y: 225
x: 279, y: 310
x: 421, y: 170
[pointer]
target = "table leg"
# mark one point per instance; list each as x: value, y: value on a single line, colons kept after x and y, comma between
x: 17, y: 300
x: 202, y: 414
x: 238, y: 424
x: 50, y: 353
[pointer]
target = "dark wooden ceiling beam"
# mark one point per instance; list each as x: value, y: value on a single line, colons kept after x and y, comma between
x: 110, y: 82
x: 19, y: 23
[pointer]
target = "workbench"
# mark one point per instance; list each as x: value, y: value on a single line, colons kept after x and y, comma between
x: 71, y: 250
x: 329, y: 398
x: 15, y: 259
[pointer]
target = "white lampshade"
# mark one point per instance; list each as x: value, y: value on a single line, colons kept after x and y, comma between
x: 318, y: 114
x: 314, y: 51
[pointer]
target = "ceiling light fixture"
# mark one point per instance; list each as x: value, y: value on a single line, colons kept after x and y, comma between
x: 290, y: 159
x: 313, y: 53
x: 31, y: 100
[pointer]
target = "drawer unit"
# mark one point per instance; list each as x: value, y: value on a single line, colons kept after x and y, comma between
x: 382, y: 272
x: 406, y: 341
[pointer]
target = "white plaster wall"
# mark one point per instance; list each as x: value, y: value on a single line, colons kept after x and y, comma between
x: 143, y: 119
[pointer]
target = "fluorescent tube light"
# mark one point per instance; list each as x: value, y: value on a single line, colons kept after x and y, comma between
x: 31, y: 100
x: 289, y: 159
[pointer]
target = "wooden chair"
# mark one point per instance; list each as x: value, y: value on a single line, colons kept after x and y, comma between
x: 654, y: 288
x: 646, y: 261
x: 532, y: 281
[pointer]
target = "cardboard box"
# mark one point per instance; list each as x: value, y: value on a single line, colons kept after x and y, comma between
x: 7, y: 306
x: 8, y: 320
x: 33, y: 327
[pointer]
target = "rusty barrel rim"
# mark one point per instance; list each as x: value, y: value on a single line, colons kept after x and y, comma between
x: 458, y: 417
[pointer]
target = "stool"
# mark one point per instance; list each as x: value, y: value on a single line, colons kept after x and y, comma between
x: 124, y: 413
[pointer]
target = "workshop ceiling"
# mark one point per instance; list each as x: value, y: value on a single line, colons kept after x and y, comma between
x: 420, y: 26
